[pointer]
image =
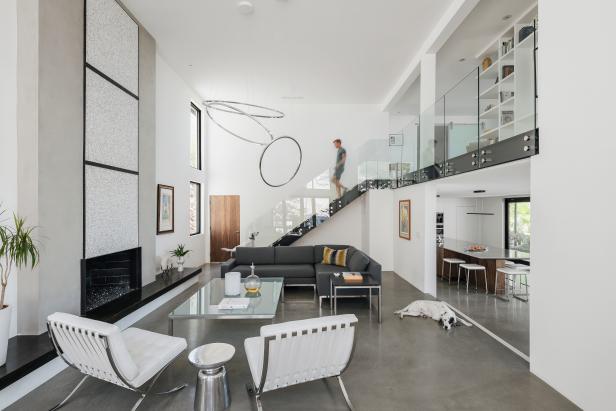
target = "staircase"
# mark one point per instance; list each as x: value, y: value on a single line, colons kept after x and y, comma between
x: 336, y: 205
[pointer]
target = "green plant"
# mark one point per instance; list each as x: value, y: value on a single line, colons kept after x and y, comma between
x: 180, y: 251
x: 16, y: 248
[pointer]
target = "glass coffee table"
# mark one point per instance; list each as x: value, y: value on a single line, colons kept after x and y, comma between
x: 204, y: 303
x: 337, y: 282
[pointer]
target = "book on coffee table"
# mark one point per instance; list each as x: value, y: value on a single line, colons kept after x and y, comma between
x: 233, y: 304
x: 352, y: 277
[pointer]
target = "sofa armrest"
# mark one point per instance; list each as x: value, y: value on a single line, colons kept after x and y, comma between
x: 227, y: 266
x: 374, y: 269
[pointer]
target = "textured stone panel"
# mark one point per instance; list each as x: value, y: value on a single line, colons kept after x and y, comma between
x: 112, y: 216
x: 112, y: 42
x: 112, y: 124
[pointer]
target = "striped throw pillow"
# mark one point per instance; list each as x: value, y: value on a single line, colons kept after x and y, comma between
x: 335, y: 257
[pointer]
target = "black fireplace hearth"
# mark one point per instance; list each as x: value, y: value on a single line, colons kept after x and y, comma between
x: 108, y: 277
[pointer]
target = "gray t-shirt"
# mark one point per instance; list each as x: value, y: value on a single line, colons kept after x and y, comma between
x: 339, y: 155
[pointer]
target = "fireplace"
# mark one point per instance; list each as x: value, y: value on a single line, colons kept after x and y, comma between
x: 108, y: 277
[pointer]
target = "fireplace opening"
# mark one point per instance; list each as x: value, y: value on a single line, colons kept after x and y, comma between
x: 108, y: 277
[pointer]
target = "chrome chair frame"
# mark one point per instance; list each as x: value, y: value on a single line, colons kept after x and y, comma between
x: 257, y: 392
x: 140, y: 390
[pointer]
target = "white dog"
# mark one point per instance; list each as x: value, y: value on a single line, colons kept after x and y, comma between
x: 437, y: 310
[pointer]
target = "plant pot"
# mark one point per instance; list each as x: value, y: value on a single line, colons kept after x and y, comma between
x: 5, y: 326
x: 180, y: 264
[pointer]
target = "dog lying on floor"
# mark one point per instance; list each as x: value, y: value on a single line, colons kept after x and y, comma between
x: 437, y: 310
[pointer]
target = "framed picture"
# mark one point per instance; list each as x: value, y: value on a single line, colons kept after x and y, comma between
x: 396, y: 139
x: 165, y: 209
x: 404, y: 219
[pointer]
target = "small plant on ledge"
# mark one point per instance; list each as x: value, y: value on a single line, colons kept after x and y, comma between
x: 179, y: 253
x: 17, y: 248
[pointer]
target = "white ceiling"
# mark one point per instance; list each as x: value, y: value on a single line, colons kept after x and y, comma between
x: 511, y: 179
x: 482, y: 26
x: 326, y: 51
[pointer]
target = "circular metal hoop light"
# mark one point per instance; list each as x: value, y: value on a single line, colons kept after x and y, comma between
x: 231, y: 106
x: 216, y: 105
x: 238, y: 108
x: 299, y: 164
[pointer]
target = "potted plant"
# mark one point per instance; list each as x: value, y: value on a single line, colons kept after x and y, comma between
x: 17, y: 249
x: 179, y: 253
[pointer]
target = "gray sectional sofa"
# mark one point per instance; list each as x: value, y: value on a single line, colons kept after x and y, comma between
x: 299, y: 265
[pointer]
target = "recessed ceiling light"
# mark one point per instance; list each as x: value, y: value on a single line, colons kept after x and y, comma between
x: 462, y: 59
x: 479, y: 191
x: 245, y: 8
x: 506, y: 17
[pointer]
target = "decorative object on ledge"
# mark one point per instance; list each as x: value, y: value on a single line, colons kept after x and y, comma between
x: 252, y: 283
x: 237, y: 108
x: 165, y: 209
x: 486, y: 63
x: 404, y: 219
x: 17, y: 249
x: 166, y: 266
x: 179, y: 254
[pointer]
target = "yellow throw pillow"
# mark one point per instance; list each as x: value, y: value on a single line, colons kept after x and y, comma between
x: 335, y: 257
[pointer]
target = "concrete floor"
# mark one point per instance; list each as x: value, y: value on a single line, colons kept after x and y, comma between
x: 507, y: 319
x: 398, y: 365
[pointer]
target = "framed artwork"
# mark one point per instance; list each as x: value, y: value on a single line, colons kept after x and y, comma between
x: 396, y: 139
x: 404, y: 219
x: 165, y: 209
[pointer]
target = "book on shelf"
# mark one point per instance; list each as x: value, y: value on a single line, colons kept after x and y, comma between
x: 352, y: 276
x: 234, y: 304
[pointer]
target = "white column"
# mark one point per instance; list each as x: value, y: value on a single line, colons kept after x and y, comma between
x: 427, y: 95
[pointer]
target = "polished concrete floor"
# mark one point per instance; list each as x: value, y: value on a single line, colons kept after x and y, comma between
x: 409, y: 364
x: 507, y: 319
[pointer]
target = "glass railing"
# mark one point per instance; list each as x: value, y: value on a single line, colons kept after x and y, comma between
x: 489, y: 117
x: 312, y: 203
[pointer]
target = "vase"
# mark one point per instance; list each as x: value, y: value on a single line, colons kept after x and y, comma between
x: 180, y: 264
x: 5, y: 326
x: 252, y: 283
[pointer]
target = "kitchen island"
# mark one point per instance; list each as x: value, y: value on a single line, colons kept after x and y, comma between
x: 492, y: 258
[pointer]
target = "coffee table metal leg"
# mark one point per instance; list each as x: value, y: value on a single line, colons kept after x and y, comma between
x: 370, y: 298
x: 331, y: 295
x: 170, y: 326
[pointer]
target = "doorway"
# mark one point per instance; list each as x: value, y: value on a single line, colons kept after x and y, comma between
x: 224, y: 225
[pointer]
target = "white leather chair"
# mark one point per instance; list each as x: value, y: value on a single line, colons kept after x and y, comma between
x: 300, y: 351
x: 133, y: 358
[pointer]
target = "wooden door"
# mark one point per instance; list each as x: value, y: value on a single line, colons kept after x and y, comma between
x: 224, y: 226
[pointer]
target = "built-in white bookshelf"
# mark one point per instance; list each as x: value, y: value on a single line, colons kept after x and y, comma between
x: 507, y: 86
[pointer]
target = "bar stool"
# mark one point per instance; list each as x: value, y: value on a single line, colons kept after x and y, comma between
x: 474, y: 268
x: 512, y: 273
x: 450, y: 261
x: 212, y: 392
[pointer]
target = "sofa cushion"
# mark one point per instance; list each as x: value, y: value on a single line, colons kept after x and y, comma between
x: 335, y: 257
x: 318, y: 251
x: 358, y: 261
x: 328, y: 268
x: 257, y: 255
x: 294, y: 255
x: 279, y: 270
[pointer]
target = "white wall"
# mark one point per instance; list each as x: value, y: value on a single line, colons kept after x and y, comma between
x: 572, y: 339
x: 173, y: 98
x: 484, y: 229
x: 233, y: 165
x: 366, y: 224
x: 8, y: 129
x: 415, y: 259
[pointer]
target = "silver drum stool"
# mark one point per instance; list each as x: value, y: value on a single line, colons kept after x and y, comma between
x: 212, y: 392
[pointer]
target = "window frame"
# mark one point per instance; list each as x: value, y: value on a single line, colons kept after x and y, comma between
x: 199, y: 208
x: 199, y: 153
x: 507, y: 202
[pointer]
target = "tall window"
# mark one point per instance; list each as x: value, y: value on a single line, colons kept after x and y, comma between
x: 195, y: 137
x: 517, y: 221
x: 194, y: 203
